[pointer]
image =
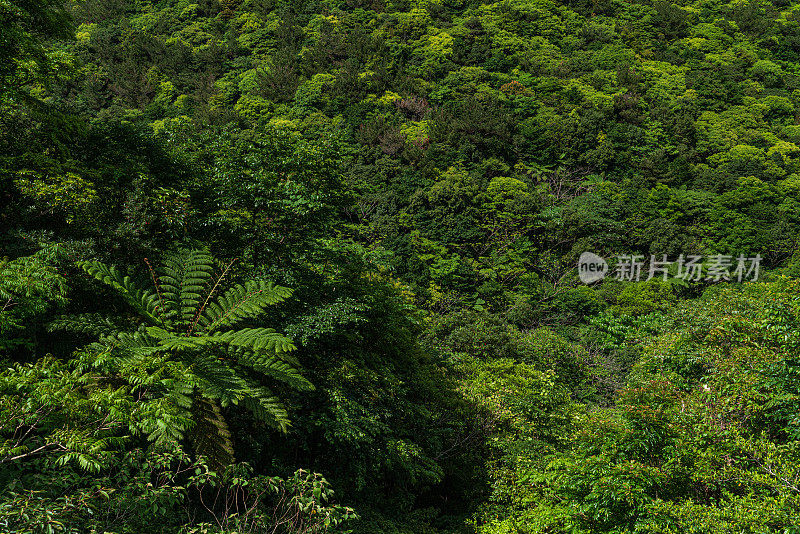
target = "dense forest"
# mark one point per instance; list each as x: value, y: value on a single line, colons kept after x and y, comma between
x: 275, y: 266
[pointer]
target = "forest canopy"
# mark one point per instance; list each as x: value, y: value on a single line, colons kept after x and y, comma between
x: 304, y: 267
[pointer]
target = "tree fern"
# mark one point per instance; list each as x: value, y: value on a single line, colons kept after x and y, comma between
x: 261, y: 340
x: 185, y: 351
x: 272, y: 367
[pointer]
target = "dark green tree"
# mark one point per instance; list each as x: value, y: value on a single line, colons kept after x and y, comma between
x: 24, y: 24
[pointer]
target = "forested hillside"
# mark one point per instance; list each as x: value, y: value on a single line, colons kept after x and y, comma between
x: 312, y: 266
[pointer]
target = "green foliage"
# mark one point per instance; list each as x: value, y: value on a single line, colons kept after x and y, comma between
x: 23, y: 25
x: 269, y: 189
x: 29, y: 286
x: 644, y: 298
x: 528, y: 414
x: 425, y: 174
x: 701, y: 438
x: 186, y: 357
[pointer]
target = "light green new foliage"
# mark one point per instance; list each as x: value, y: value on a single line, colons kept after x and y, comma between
x: 28, y: 286
x: 186, y: 349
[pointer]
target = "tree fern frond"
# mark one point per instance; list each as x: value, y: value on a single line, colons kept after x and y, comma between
x: 211, y: 293
x: 92, y: 324
x: 144, y: 301
x: 210, y: 434
x: 241, y: 302
x: 184, y: 362
x: 183, y: 342
x: 264, y: 341
x: 259, y: 340
x: 158, y: 333
x: 181, y: 397
x: 138, y: 339
x: 218, y: 380
x: 198, y: 275
x: 267, y: 407
x: 125, y: 349
x: 158, y: 376
x: 183, y: 278
x: 273, y: 367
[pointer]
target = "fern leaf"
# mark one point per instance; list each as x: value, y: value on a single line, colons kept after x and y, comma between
x: 258, y: 340
x: 144, y: 301
x: 241, y: 302
x: 183, y: 277
x: 267, y: 407
x: 217, y: 379
x: 183, y: 342
x: 273, y: 367
x: 125, y: 349
x: 261, y: 340
x: 92, y: 324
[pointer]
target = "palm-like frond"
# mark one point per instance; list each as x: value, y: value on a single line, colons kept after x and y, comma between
x: 182, y: 281
x: 267, y: 407
x: 273, y: 367
x: 129, y: 344
x: 218, y: 379
x: 260, y: 340
x: 144, y: 301
x: 93, y: 324
x: 263, y: 341
x: 241, y: 302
